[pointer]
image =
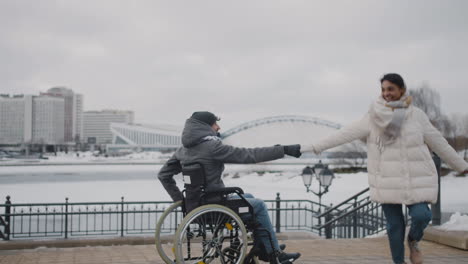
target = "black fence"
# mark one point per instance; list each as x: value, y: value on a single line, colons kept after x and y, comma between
x: 66, y: 220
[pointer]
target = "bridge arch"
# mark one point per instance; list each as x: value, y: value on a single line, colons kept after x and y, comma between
x: 284, y: 129
x: 279, y: 119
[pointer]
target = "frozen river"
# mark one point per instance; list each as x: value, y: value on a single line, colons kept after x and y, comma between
x: 90, y: 183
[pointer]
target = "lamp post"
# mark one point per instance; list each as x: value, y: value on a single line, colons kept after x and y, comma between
x: 325, y: 177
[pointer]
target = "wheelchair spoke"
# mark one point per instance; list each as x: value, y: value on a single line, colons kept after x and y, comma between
x: 220, y: 223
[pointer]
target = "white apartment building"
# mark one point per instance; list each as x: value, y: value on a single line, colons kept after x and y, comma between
x: 15, y: 119
x: 31, y: 119
x: 97, y: 124
x: 48, y: 120
x: 73, y: 112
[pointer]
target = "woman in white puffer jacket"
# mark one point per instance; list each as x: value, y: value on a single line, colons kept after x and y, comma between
x: 400, y: 166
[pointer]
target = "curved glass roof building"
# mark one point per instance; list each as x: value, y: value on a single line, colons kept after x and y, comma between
x: 144, y: 137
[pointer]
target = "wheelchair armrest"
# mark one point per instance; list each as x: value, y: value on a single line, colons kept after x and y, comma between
x: 225, y: 190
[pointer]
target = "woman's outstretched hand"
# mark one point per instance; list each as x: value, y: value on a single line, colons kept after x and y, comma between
x: 309, y: 148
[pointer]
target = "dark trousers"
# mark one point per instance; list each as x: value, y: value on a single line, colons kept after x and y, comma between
x: 420, y: 217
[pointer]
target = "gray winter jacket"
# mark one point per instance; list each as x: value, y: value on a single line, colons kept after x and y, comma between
x: 201, y: 144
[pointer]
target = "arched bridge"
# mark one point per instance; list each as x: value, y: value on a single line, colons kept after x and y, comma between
x: 279, y: 119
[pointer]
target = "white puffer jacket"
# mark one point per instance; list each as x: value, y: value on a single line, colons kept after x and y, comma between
x: 403, y: 172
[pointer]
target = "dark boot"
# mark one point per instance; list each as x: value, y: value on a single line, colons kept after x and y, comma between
x: 284, y: 258
x: 288, y: 257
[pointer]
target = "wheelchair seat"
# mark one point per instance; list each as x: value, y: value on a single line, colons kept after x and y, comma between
x: 197, y: 193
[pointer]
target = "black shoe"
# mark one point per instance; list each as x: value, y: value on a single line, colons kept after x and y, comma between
x: 282, y: 247
x: 288, y: 257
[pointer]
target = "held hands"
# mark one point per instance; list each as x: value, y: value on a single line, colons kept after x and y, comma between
x: 293, y: 150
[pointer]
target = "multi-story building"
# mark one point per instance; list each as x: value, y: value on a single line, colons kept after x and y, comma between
x: 48, y: 120
x: 97, y: 124
x: 31, y: 119
x: 15, y: 119
x: 73, y: 112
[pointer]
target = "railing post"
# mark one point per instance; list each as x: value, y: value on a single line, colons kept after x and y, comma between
x: 122, y: 217
x: 7, y: 217
x: 278, y: 213
x: 176, y: 220
x: 328, y: 228
x: 436, y: 210
x: 355, y: 220
x: 66, y: 217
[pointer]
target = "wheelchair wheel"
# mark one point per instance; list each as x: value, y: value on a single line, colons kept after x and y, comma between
x: 211, y: 234
x: 167, y: 258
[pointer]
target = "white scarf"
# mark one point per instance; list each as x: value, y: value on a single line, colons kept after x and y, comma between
x: 388, y: 117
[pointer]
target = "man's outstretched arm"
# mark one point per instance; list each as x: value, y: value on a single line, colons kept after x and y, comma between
x: 230, y: 154
x: 166, y: 176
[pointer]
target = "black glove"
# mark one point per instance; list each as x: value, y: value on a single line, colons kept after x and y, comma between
x: 293, y: 150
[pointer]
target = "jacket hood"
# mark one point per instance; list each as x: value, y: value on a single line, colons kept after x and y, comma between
x: 194, y: 132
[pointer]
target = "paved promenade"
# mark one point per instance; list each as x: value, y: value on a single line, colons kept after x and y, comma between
x: 362, y: 251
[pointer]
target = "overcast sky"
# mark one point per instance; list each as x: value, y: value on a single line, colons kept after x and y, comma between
x: 240, y: 59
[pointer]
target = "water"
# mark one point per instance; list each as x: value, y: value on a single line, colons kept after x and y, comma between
x: 108, y: 183
x: 81, y: 183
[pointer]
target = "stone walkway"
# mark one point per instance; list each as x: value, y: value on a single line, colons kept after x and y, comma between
x: 362, y: 251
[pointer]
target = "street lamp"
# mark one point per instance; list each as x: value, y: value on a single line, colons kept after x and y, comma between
x: 307, y: 176
x: 323, y: 174
x: 318, y: 168
x: 325, y: 177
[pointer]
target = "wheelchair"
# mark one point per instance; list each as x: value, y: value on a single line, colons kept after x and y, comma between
x: 216, y: 228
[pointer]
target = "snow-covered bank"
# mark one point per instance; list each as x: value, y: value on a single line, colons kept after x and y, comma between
x: 84, y: 158
x: 457, y: 222
x: 139, y: 183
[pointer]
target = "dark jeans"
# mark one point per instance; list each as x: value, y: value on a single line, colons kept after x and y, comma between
x: 263, y: 219
x: 420, y: 217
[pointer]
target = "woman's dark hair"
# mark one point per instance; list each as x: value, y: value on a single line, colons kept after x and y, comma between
x: 394, y: 78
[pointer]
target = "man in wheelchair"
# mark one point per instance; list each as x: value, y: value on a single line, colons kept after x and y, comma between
x: 202, y: 148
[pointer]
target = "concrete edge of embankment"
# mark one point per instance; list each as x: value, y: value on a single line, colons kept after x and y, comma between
x: 457, y: 239
x: 74, y: 242
x: 116, y: 241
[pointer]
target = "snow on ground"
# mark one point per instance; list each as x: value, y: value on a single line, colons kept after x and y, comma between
x: 88, y: 156
x: 457, y: 222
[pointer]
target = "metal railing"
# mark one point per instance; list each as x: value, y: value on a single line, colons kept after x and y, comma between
x: 358, y: 216
x: 65, y: 220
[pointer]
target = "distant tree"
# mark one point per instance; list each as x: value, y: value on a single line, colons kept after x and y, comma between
x: 355, y: 151
x: 428, y: 100
x: 447, y: 126
x: 453, y: 127
x: 464, y: 134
